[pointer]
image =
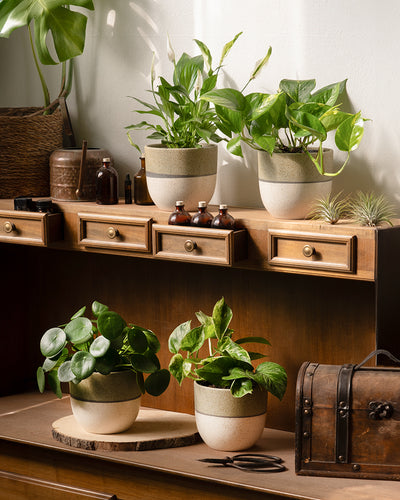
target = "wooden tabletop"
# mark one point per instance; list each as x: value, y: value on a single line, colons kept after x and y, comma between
x: 27, y: 418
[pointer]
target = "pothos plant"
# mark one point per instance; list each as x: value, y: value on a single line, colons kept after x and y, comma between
x: 51, y: 20
x: 104, y: 344
x: 185, y: 119
x: 227, y: 364
x: 293, y: 120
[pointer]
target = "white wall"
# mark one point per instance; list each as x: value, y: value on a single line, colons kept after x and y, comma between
x: 324, y: 39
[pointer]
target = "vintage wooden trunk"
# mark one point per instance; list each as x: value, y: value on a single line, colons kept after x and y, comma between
x: 348, y: 420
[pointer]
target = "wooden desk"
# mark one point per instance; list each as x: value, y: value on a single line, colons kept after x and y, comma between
x: 27, y: 449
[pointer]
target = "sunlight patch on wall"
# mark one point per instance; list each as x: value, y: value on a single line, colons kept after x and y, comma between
x: 144, y: 16
x: 111, y: 18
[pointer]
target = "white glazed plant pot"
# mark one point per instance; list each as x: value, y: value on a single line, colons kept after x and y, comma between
x: 290, y: 183
x: 106, y: 404
x: 227, y: 423
x: 187, y: 174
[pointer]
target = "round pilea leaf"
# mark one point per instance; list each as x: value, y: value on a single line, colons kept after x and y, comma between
x: 157, y: 382
x: 99, y: 347
x: 143, y: 363
x: 137, y: 340
x: 79, y: 330
x: 111, y: 324
x: 82, y: 364
x: 52, y: 342
x: 65, y: 373
x: 98, y: 308
x: 79, y: 313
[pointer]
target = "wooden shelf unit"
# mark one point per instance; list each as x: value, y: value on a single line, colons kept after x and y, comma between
x: 316, y: 292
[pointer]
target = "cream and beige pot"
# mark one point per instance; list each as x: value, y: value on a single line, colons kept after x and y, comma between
x: 187, y: 174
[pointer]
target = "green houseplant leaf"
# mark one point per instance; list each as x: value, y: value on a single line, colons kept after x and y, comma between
x: 53, y: 342
x: 79, y: 330
x: 50, y: 16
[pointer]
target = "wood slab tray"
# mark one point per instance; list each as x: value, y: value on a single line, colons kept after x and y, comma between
x: 152, y: 430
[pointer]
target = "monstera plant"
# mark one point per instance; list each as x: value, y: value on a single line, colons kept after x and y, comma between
x: 54, y: 23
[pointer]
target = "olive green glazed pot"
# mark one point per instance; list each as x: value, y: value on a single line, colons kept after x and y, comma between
x: 227, y: 423
x: 106, y: 404
x: 187, y: 174
x: 290, y: 183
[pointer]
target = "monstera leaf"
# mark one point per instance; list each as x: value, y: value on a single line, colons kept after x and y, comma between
x: 67, y: 27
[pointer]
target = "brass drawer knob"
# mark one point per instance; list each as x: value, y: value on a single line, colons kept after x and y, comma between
x: 8, y: 227
x: 190, y: 245
x: 308, y: 250
x: 112, y: 232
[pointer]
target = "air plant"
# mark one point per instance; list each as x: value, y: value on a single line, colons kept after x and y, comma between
x: 369, y: 209
x: 330, y: 208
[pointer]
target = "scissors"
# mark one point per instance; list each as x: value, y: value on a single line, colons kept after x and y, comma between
x: 250, y: 462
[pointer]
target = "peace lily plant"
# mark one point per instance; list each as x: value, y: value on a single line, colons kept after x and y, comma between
x: 54, y: 24
x: 185, y: 118
x: 105, y: 344
x: 227, y: 364
x: 293, y: 120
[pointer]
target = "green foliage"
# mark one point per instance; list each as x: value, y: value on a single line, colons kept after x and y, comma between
x: 291, y: 120
x: 228, y: 364
x: 185, y: 119
x: 83, y: 346
x: 369, y: 209
x: 366, y: 209
x: 55, y: 24
x: 330, y: 209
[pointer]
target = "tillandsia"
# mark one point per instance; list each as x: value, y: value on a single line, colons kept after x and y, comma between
x: 53, y: 21
x: 76, y: 349
x: 185, y: 119
x: 297, y: 118
x: 330, y: 208
x: 227, y: 364
x: 369, y: 209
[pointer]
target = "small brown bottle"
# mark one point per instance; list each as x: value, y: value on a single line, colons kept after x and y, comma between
x: 106, y: 184
x: 223, y: 220
x: 140, y: 192
x: 202, y: 218
x: 179, y: 217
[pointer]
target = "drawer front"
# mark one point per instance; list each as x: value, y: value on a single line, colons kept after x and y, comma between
x: 312, y: 251
x: 130, y: 234
x: 208, y: 246
x: 30, y: 228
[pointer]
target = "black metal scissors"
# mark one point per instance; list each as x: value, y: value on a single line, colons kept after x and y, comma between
x: 250, y: 462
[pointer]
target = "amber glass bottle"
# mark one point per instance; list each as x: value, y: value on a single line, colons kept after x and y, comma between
x: 223, y: 220
x: 106, y: 184
x: 202, y: 218
x: 179, y: 217
x: 140, y: 192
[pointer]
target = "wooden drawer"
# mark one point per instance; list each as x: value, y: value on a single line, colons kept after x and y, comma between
x: 30, y: 228
x: 319, y: 252
x: 130, y: 234
x: 207, y: 246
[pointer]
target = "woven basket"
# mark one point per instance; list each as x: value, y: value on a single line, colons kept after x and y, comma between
x: 27, y: 138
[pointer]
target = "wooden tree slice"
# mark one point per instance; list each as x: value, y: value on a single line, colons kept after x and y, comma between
x: 153, y: 429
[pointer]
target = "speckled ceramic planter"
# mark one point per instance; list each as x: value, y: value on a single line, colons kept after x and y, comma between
x: 187, y: 174
x: 106, y: 404
x: 289, y: 183
x: 226, y: 423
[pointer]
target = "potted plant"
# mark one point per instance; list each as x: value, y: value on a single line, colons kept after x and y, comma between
x: 30, y: 135
x: 289, y: 129
x: 183, y: 165
x: 104, y: 361
x: 230, y: 394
